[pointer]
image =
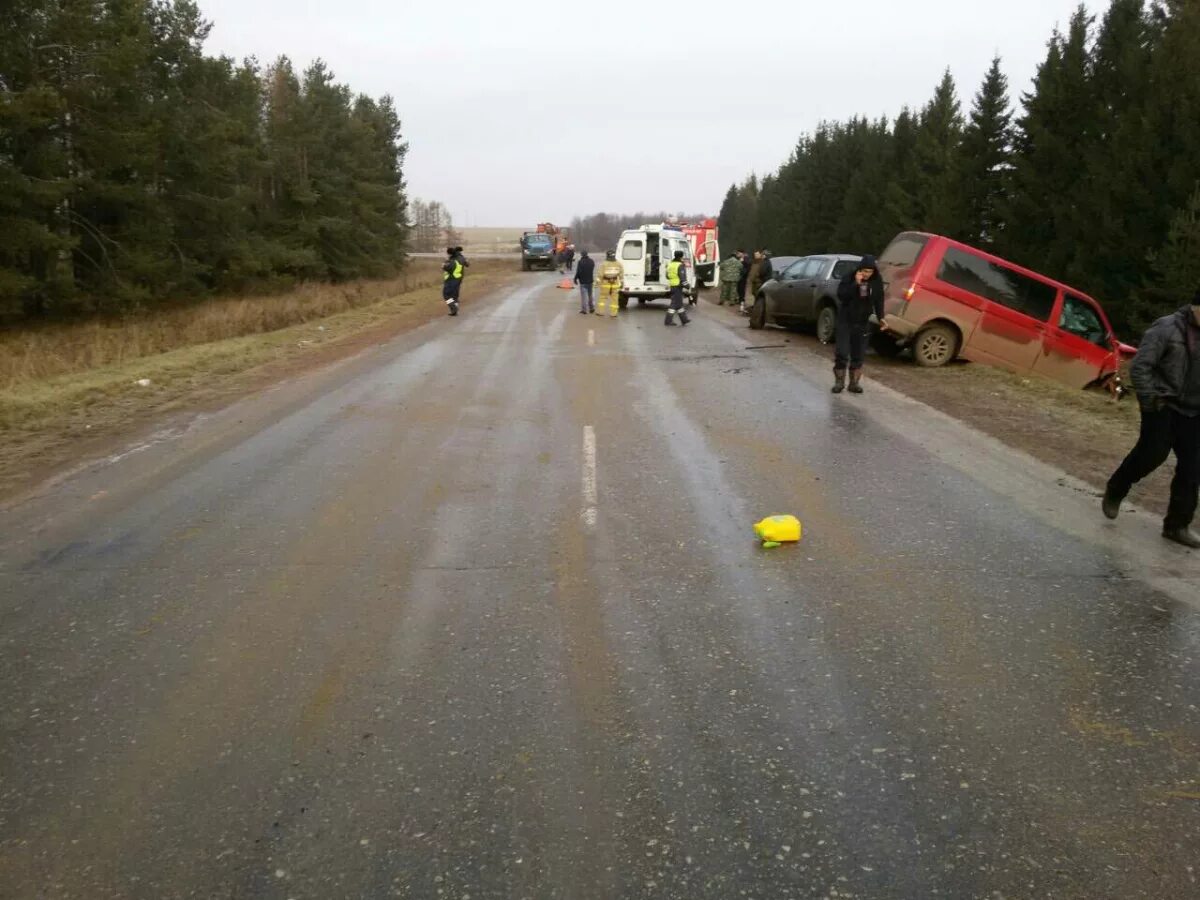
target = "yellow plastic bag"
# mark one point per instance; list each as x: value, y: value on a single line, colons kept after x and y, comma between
x: 776, y: 530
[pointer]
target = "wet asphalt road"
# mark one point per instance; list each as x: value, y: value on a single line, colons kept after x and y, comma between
x: 381, y: 633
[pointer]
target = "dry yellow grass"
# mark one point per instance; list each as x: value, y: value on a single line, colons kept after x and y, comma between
x: 59, y: 349
x: 77, y: 385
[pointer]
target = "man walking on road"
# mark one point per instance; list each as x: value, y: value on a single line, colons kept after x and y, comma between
x: 585, y: 274
x: 676, y: 281
x: 611, y: 274
x: 1166, y: 377
x: 731, y: 273
x: 859, y: 297
x: 452, y: 277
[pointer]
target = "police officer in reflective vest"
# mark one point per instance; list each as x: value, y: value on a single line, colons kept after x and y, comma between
x: 452, y: 277
x: 676, y: 281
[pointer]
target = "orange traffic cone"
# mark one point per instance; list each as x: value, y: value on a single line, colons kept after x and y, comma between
x: 566, y: 284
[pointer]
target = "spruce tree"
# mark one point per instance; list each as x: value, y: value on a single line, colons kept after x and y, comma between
x: 938, y: 135
x: 983, y: 160
x: 1042, y: 228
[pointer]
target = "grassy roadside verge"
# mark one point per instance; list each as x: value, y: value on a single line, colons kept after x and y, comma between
x: 48, y: 422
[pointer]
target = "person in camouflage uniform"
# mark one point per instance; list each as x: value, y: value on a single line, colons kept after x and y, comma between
x: 731, y: 273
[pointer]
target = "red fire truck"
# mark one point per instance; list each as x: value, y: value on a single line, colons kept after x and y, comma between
x: 702, y: 238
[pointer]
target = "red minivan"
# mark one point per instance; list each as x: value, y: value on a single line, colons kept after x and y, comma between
x: 946, y: 300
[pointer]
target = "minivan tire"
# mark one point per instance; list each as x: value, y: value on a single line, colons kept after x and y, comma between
x: 758, y: 314
x: 622, y: 301
x: 826, y: 324
x: 935, y: 345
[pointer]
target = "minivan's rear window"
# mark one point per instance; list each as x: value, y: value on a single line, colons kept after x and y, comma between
x: 632, y: 250
x: 904, y: 250
x: 997, y: 283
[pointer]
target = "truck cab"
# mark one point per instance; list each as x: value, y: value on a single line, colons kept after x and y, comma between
x: 643, y: 254
x: 537, y: 251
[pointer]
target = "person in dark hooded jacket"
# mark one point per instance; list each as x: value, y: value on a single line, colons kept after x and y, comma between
x: 859, y: 298
x: 1166, y: 377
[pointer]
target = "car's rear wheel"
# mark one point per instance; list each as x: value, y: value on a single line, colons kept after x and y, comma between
x: 826, y: 324
x: 758, y: 313
x: 642, y: 301
x: 935, y: 345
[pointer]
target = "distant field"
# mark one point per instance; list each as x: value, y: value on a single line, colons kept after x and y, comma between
x: 491, y: 240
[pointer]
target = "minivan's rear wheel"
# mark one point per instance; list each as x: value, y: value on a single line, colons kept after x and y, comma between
x: 758, y: 314
x: 935, y: 346
x: 826, y: 324
x: 622, y: 301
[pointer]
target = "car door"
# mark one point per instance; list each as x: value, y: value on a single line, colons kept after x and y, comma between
x: 811, y: 282
x: 1078, y: 348
x: 781, y: 292
x: 633, y: 255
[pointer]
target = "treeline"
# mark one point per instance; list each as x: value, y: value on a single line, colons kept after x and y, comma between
x: 134, y: 168
x: 1095, y: 179
x: 599, y: 232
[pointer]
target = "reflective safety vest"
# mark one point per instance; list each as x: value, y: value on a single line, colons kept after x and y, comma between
x: 457, y: 273
x: 673, y: 268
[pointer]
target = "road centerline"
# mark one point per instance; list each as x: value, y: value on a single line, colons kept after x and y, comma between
x: 589, y: 475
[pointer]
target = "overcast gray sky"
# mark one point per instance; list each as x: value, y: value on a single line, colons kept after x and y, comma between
x: 518, y: 112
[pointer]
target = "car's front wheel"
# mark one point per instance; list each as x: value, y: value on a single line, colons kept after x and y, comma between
x: 826, y: 324
x: 758, y: 313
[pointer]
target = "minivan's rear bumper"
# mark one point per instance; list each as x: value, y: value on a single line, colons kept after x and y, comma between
x: 901, y: 330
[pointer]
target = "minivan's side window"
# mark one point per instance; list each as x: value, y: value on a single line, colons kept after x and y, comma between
x: 1081, y: 319
x: 997, y: 283
x: 903, y: 251
x: 632, y: 250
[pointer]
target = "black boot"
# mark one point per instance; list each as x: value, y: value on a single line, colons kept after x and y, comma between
x: 856, y: 381
x: 839, y: 380
x: 670, y: 319
x: 1111, y: 504
x: 1184, y: 536
x: 683, y: 317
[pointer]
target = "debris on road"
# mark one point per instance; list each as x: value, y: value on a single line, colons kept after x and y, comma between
x: 776, y: 530
x: 143, y: 382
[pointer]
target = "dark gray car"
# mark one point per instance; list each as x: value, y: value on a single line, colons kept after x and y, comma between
x: 804, y: 295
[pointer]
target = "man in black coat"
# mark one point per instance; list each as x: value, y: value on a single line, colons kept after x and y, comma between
x: 585, y: 276
x: 859, y: 297
x: 1166, y: 377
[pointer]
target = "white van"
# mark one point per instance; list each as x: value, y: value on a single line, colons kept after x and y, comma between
x: 644, y: 253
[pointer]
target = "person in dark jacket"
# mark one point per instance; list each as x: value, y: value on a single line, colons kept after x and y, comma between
x: 1166, y: 377
x: 859, y: 299
x: 585, y: 276
x: 741, y: 285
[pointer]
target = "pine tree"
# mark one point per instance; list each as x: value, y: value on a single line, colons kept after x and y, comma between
x: 1042, y: 229
x: 1175, y: 268
x: 983, y: 160
x: 900, y: 208
x: 938, y: 135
